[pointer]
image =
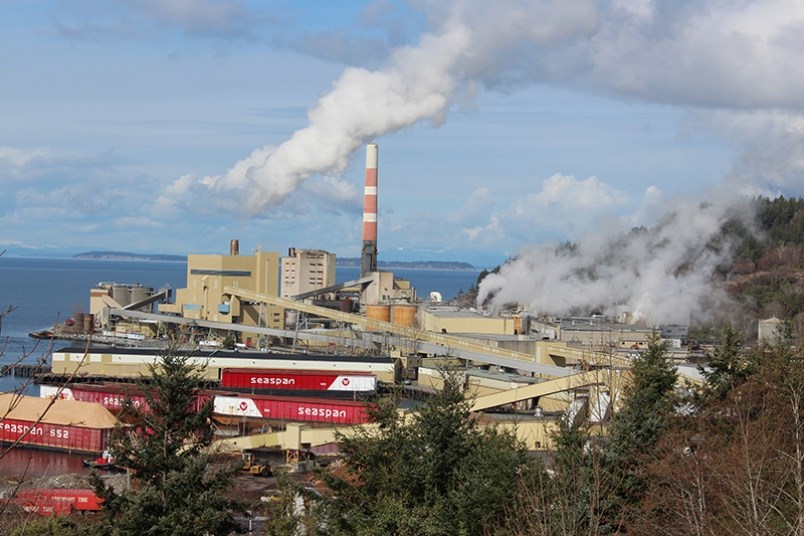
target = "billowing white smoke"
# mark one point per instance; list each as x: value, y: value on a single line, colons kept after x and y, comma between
x: 660, y: 274
x: 362, y: 105
x: 467, y: 48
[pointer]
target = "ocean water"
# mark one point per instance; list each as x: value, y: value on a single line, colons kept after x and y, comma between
x: 43, y: 292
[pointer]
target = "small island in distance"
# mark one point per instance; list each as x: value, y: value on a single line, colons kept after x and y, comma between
x: 340, y: 261
x: 124, y: 256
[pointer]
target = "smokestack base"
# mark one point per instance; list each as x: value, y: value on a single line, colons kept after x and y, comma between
x: 368, y: 258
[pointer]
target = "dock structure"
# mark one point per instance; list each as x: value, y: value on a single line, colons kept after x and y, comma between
x: 21, y: 370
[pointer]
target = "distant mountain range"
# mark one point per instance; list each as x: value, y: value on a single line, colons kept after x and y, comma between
x: 124, y: 256
x: 340, y: 261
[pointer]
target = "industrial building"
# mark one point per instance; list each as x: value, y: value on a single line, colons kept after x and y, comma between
x: 523, y: 372
x: 305, y: 270
x: 207, y: 275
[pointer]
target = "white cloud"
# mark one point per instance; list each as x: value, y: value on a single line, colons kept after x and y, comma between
x: 137, y: 222
x: 565, y: 192
x: 26, y: 165
x: 649, y: 207
x: 147, y: 19
x: 705, y: 54
x: 478, y: 202
x: 206, y: 17
x: 709, y: 54
x: 564, y: 203
x: 492, y: 231
x: 334, y: 194
x: 770, y: 144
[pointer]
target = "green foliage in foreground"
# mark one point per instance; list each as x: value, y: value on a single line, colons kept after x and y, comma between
x: 52, y: 526
x: 177, y: 488
x: 438, y: 473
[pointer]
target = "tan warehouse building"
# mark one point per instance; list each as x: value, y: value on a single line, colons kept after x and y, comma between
x: 208, y: 275
x: 304, y: 270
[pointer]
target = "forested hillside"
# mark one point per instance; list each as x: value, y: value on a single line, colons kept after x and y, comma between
x: 768, y: 265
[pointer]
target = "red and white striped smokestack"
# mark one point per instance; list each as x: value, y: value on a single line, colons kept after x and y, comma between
x: 368, y: 260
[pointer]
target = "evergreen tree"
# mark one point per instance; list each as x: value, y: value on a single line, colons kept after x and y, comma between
x: 647, y: 406
x: 177, y: 486
x: 436, y: 473
x: 727, y: 366
x: 578, y: 484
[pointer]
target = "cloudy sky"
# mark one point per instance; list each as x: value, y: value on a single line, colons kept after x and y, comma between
x: 172, y: 126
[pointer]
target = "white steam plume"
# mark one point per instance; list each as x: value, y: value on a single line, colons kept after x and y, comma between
x: 417, y: 83
x: 661, y: 274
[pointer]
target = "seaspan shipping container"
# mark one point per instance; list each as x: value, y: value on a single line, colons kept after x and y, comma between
x: 65, y: 424
x: 48, y: 502
x: 293, y: 408
x: 134, y: 362
x: 298, y: 380
x: 112, y: 396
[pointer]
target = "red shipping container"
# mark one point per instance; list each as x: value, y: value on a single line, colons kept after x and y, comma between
x: 57, y: 501
x: 293, y: 409
x: 310, y: 380
x: 63, y: 437
x: 109, y: 396
x: 112, y: 396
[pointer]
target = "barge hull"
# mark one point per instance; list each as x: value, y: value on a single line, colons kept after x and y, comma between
x: 54, y: 436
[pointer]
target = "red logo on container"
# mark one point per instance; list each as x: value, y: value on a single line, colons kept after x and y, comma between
x: 243, y: 405
x: 345, y: 381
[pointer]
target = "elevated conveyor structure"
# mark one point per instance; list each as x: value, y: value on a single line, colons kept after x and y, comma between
x: 367, y: 340
x: 162, y: 295
x: 443, y: 344
x: 609, y: 378
x: 333, y: 288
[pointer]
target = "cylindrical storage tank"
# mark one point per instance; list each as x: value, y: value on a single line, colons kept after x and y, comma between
x: 140, y: 293
x: 404, y: 315
x: 78, y: 319
x: 378, y: 312
x: 121, y: 294
x: 89, y: 323
x: 345, y: 305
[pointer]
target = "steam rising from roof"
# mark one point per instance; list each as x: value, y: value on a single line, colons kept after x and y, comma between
x: 661, y: 274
